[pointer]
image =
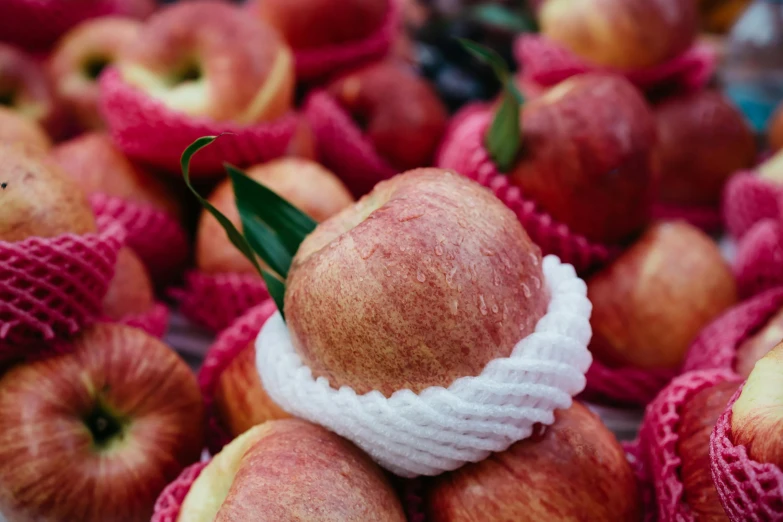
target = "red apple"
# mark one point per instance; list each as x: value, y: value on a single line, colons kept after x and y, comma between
x: 702, y: 140
x: 15, y: 128
x: 80, y: 57
x: 775, y: 130
x: 306, y: 184
x: 290, y: 470
x: 96, y: 433
x: 626, y: 34
x: 697, y: 420
x: 426, y: 279
x: 37, y: 198
x: 25, y: 88
x: 759, y: 344
x: 313, y: 24
x: 757, y: 415
x: 573, y: 470
x: 649, y: 304
x: 210, y: 59
x: 399, y: 112
x: 586, y: 156
x: 130, y: 292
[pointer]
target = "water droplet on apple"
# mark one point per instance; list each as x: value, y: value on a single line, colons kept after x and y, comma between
x: 420, y: 276
x: 454, y: 306
x: 534, y: 258
x: 386, y: 271
x: 495, y: 308
x: 482, y: 305
x: 462, y: 223
x: 536, y: 282
x: 526, y: 290
x: 487, y: 251
x: 438, y: 250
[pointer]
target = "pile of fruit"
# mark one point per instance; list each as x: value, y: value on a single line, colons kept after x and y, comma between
x: 427, y: 243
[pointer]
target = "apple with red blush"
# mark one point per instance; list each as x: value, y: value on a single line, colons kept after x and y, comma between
x: 130, y: 292
x: 16, y: 129
x: 775, y: 130
x: 752, y: 349
x: 26, y: 88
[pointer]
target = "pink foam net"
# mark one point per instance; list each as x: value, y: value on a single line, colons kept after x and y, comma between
x: 747, y: 199
x: 749, y: 490
x: 758, y: 262
x: 547, y: 63
x: 463, y: 151
x: 228, y: 345
x: 716, y: 345
x: 214, y: 301
x: 624, y: 386
x: 171, y: 498
x: 706, y: 218
x: 658, y: 440
x: 147, y: 131
x: 342, y: 147
x: 155, y: 321
x: 643, y: 479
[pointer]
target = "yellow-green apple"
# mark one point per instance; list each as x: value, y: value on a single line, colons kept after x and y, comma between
x: 130, y: 292
x: 759, y: 344
x: 398, y: 111
x: 313, y: 24
x: 25, y: 87
x: 80, y: 57
x: 697, y: 420
x: 702, y: 140
x: 586, y: 156
x: 649, y: 304
x: 306, y: 184
x: 95, y: 434
x: 626, y: 34
x: 210, y: 59
x: 572, y: 470
x: 99, y: 167
x: 290, y: 470
x: 771, y: 169
x: 426, y: 279
x: 37, y: 198
x: 757, y: 415
x: 15, y: 128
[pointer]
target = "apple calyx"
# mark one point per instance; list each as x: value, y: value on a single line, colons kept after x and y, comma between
x: 503, y: 140
x: 104, y: 427
x: 272, y: 228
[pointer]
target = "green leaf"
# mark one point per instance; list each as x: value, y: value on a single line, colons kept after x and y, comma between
x: 517, y: 21
x: 276, y: 290
x: 487, y: 56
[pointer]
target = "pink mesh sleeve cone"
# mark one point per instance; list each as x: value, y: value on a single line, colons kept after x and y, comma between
x: 749, y: 490
x: 706, y: 218
x: 624, y: 386
x: 147, y: 131
x: 171, y: 498
x: 758, y: 263
x: 716, y: 346
x: 463, y: 151
x: 342, y: 148
x: 155, y: 321
x: 155, y: 236
x: 643, y: 479
x: 228, y: 345
x: 658, y: 440
x: 747, y: 199
x: 214, y: 301
x: 547, y: 63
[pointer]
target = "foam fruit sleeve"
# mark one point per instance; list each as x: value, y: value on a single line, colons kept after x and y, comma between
x: 658, y: 439
x: 625, y: 386
x: 749, y: 490
x: 149, y: 132
x: 440, y: 429
x: 170, y: 501
x: 547, y: 63
x: 758, y: 262
x: 633, y: 453
x: 748, y: 199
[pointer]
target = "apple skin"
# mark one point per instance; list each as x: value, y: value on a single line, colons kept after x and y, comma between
x: 757, y: 415
x: 99, y: 167
x: 25, y: 88
x: 130, y: 292
x: 775, y: 130
x: 15, y: 128
x: 573, y: 470
x: 210, y: 59
x: 426, y: 279
x: 314, y: 24
x: 240, y: 399
x: 759, y: 344
x: 95, y: 434
x: 79, y: 58
x: 401, y: 113
x: 586, y: 156
x: 702, y: 140
x: 650, y: 303
x: 291, y: 470
x: 304, y: 183
x: 624, y: 34
x: 697, y: 420
x: 38, y: 198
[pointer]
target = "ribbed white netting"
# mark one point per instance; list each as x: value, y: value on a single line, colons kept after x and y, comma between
x: 440, y: 429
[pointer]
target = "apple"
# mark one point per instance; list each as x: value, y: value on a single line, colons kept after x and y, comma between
x: 572, y: 470
x: 649, y: 304
x: 80, y: 57
x: 314, y: 24
x: 96, y: 433
x: 130, y: 292
x: 697, y: 420
x: 304, y: 183
x: 624, y: 34
x: 210, y: 59
x: 37, y: 198
x: 398, y: 111
x: 100, y: 167
x: 759, y: 344
x: 426, y: 279
x: 771, y: 169
x: 15, y: 128
x: 702, y: 140
x: 775, y: 130
x: 586, y: 156
x: 25, y: 88
x: 290, y: 470
x: 757, y: 415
